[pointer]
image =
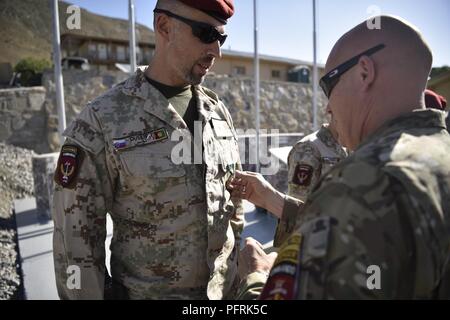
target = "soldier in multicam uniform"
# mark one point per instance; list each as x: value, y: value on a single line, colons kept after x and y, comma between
x: 176, y: 230
x: 309, y: 159
x: 377, y: 226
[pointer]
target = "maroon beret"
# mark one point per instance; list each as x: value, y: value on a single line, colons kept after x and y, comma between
x: 434, y: 100
x: 221, y: 10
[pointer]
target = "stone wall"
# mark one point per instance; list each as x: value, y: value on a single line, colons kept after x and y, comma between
x: 28, y: 116
x: 23, y: 119
x: 285, y: 106
x: 79, y: 88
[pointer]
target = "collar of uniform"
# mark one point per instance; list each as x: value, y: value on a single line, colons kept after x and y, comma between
x: 154, y: 102
x: 324, y: 135
x: 419, y: 118
x: 206, y: 105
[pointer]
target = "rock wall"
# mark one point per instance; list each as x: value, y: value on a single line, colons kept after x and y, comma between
x: 28, y: 116
x: 23, y: 119
x: 285, y: 106
x: 79, y: 88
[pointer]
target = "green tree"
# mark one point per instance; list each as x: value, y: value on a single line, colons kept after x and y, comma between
x: 31, y: 70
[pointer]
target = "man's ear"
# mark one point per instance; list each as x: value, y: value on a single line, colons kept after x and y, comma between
x: 366, y: 71
x: 162, y: 26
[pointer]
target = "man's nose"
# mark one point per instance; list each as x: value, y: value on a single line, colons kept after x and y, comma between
x: 328, y: 108
x: 214, y: 50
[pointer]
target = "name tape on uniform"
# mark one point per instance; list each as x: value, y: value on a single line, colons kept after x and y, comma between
x: 141, y: 139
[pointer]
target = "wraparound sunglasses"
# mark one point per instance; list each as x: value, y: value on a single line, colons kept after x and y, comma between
x: 205, y: 32
x: 330, y: 80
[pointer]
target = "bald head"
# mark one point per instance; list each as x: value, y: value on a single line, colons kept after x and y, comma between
x: 406, y: 55
x: 382, y: 85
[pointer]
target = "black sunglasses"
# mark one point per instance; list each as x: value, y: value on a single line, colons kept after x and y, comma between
x: 205, y: 32
x: 330, y: 80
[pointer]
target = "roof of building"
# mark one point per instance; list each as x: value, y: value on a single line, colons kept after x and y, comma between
x: 250, y: 55
x: 99, y: 26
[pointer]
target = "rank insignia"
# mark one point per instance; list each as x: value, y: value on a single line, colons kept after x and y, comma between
x: 69, y: 162
x: 302, y: 175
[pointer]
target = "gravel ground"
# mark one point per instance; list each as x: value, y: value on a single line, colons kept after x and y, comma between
x: 16, y: 181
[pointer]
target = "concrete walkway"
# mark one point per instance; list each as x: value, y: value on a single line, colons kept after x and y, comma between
x: 35, y: 234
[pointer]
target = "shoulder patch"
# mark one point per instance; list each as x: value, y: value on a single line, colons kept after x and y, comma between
x: 303, y: 175
x: 281, y: 284
x: 69, y: 162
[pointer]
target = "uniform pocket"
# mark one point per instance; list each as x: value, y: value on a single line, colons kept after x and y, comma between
x: 150, y: 165
x: 154, y: 189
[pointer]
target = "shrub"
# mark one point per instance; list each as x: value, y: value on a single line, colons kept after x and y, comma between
x: 30, y: 70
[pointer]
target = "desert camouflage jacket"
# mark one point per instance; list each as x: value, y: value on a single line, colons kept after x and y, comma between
x: 176, y: 229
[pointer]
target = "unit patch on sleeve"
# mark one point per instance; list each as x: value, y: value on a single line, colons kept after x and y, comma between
x: 69, y: 163
x: 302, y: 175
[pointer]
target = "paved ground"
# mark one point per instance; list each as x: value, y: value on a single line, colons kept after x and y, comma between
x: 35, y: 242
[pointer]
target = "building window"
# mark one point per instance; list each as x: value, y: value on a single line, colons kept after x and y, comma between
x: 276, y: 74
x: 102, y: 53
x: 239, y: 71
x: 120, y: 53
x: 92, y: 50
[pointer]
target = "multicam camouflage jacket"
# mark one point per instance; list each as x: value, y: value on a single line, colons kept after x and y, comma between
x: 378, y: 224
x: 176, y: 229
x: 308, y: 161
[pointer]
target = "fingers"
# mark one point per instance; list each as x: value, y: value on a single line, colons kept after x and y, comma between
x: 252, y: 242
x: 273, y: 255
x: 239, y: 188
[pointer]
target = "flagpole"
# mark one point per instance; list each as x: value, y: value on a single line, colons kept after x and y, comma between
x: 256, y: 69
x: 315, y: 126
x: 59, y: 86
x: 132, y: 36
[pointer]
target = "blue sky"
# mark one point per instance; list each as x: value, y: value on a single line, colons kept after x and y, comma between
x: 285, y: 26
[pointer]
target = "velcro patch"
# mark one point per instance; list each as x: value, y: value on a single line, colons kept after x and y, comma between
x: 281, y: 283
x: 303, y: 175
x: 69, y: 162
x: 141, y: 139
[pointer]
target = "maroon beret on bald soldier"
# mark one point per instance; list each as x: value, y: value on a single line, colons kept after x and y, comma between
x: 434, y: 100
x: 220, y: 10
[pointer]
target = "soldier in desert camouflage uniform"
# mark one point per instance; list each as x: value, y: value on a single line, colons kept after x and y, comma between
x: 176, y: 230
x: 385, y: 210
x: 308, y: 161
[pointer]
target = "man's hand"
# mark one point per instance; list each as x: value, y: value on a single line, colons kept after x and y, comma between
x: 253, y: 187
x: 252, y: 258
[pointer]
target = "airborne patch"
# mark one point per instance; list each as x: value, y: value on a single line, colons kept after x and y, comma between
x: 303, y: 175
x: 141, y: 139
x: 69, y: 162
x: 281, y: 283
